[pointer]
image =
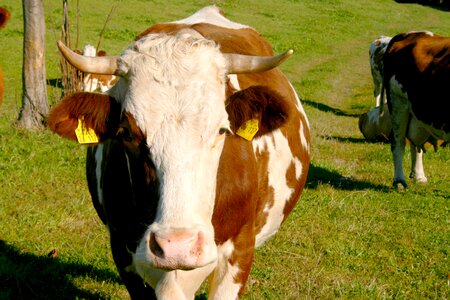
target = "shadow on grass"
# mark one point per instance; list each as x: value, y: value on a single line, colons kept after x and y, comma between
x: 319, y: 175
x: 347, y: 139
x: 327, y: 108
x: 28, y: 276
x: 443, y: 5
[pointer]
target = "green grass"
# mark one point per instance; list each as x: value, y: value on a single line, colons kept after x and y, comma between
x: 351, y: 236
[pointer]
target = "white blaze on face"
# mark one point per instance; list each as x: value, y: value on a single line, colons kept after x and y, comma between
x: 174, y: 86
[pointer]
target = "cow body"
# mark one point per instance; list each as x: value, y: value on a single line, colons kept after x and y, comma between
x: 4, y: 17
x: 96, y: 82
x: 182, y: 195
x: 376, y: 125
x: 417, y: 77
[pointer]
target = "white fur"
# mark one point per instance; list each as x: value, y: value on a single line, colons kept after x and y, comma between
x: 91, y: 82
x: 280, y: 159
x: 222, y: 285
x: 174, y: 86
x: 300, y: 106
x: 376, y: 51
x: 90, y: 51
x: 210, y: 15
x: 421, y: 31
x: 234, y: 81
x: 303, y: 129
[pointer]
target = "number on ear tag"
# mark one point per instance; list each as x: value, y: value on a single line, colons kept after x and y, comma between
x: 248, y: 129
x: 84, y: 134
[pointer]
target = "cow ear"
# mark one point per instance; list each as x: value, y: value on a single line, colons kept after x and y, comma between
x: 98, y: 112
x: 257, y: 102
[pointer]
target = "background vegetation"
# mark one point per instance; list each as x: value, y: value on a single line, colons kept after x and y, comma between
x: 351, y: 236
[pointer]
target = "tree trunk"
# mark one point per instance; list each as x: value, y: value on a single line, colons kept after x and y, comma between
x: 34, y: 99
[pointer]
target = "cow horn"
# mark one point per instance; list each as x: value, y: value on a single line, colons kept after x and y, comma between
x: 104, y: 65
x: 238, y: 63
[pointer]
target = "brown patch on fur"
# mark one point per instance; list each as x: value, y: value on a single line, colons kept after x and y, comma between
x: 236, y: 197
x: 421, y: 63
x: 236, y: 183
x: 257, y: 102
x: 266, y: 192
x: 100, y: 112
x: 292, y: 182
x: 250, y: 41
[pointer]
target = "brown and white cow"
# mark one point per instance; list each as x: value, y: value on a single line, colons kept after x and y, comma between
x: 182, y: 195
x: 417, y: 81
x: 4, y: 17
x: 97, y: 82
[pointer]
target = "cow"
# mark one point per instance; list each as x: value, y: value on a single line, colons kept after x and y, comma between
x: 376, y: 53
x: 96, y: 82
x: 196, y: 156
x: 417, y: 77
x: 4, y: 17
x: 375, y: 125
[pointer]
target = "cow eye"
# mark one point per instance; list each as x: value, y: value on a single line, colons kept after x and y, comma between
x: 223, y: 131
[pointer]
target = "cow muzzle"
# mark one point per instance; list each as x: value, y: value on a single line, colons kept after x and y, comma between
x: 181, y: 249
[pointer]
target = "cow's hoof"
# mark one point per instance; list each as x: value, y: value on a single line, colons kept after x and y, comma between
x: 400, y: 185
x: 421, y: 180
x: 418, y: 179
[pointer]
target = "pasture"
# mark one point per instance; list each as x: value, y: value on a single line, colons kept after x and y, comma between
x: 351, y: 235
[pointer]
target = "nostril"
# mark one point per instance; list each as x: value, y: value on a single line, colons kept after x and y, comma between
x: 155, y: 248
x: 197, y: 245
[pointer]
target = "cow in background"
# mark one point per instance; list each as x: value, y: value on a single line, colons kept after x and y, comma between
x: 417, y: 82
x: 4, y: 17
x: 376, y: 52
x: 375, y: 125
x: 96, y: 82
x: 200, y: 152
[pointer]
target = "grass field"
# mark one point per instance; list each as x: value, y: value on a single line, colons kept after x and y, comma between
x: 351, y: 236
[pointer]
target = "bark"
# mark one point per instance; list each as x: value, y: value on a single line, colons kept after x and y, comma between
x: 34, y: 98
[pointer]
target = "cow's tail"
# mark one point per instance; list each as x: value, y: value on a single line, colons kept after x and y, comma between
x: 381, y: 112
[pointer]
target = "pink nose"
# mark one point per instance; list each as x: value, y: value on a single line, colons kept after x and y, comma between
x: 181, y: 249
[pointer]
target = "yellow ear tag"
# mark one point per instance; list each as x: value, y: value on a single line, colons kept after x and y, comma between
x: 248, y: 129
x: 85, y: 135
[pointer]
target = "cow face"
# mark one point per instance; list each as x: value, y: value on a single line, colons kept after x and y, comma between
x: 173, y: 89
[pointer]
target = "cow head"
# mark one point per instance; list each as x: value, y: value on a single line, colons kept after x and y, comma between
x: 376, y: 126
x: 172, y: 97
